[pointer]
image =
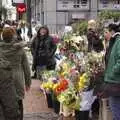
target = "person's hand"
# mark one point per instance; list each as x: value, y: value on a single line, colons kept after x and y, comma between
x: 27, y: 88
x: 33, y: 68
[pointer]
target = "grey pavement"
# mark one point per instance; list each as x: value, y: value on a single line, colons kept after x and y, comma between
x: 41, y: 116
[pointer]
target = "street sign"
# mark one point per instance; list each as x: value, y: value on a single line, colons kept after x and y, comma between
x: 21, y: 7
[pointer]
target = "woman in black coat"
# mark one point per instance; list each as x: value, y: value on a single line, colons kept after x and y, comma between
x: 43, y: 50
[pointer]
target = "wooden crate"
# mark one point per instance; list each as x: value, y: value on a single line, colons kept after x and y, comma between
x: 104, y: 112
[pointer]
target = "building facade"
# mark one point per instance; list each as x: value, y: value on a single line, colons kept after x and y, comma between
x: 11, y: 11
x: 58, y: 13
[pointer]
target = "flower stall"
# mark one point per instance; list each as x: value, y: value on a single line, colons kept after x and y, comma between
x: 72, y: 83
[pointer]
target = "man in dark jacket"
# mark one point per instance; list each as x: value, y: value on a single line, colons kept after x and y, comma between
x: 43, y: 50
x: 112, y: 73
x: 94, y: 41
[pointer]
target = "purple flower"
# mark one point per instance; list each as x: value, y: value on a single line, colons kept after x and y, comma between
x: 55, y: 81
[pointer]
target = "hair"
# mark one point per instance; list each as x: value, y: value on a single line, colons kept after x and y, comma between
x: 114, y: 27
x: 8, y: 34
x: 43, y: 27
x: 119, y: 27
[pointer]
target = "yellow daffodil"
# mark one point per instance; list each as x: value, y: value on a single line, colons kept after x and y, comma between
x: 55, y: 86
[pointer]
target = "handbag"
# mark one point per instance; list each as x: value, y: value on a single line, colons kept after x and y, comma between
x: 51, y: 64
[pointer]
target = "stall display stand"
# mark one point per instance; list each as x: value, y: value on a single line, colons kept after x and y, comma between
x: 104, y: 112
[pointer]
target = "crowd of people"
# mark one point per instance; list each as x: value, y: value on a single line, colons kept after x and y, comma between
x: 15, y: 76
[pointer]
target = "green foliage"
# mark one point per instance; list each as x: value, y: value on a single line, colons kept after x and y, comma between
x: 80, y: 28
x: 105, y: 15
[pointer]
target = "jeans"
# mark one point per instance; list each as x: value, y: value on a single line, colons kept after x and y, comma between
x: 115, y: 107
x: 40, y: 70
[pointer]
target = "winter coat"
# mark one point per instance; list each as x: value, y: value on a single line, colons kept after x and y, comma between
x: 19, y: 64
x: 43, y: 50
x: 8, y: 100
x: 112, y: 73
x: 94, y: 42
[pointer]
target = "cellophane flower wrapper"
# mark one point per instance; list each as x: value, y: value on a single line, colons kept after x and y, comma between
x: 49, y: 75
x: 87, y: 100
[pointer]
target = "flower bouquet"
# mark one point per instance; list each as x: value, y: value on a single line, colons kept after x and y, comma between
x: 47, y: 88
x: 69, y: 101
x: 59, y: 87
x: 96, y: 66
x: 84, y: 81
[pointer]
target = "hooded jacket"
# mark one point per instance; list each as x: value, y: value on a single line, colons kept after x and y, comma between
x: 112, y: 73
x: 8, y: 100
x: 19, y: 64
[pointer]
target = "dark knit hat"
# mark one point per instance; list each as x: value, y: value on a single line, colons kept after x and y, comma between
x: 113, y: 27
x: 8, y: 34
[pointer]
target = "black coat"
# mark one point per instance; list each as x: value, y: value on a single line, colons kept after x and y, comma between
x: 94, y: 42
x: 43, y: 50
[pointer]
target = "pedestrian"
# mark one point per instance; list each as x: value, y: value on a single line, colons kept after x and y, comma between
x: 19, y: 63
x: 43, y: 50
x: 35, y: 31
x: 9, y: 109
x: 107, y: 37
x: 1, y: 28
x: 112, y: 72
x: 22, y: 31
x: 94, y: 41
x: 94, y: 44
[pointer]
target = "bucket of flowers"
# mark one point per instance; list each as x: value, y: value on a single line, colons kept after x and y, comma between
x: 58, y: 88
x: 47, y: 88
x: 69, y: 101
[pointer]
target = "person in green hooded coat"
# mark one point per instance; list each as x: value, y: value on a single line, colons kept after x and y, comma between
x: 9, y: 109
x: 15, y: 54
x: 112, y: 72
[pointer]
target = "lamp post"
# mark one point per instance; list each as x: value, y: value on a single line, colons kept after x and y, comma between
x: 0, y: 9
x: 29, y: 18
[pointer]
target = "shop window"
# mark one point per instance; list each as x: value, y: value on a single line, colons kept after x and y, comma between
x: 116, y: 1
x: 116, y: 4
x: 77, y: 3
x: 104, y: 3
x: 84, y: 2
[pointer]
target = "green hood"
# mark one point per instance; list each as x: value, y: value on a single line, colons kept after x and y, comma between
x: 11, y: 51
